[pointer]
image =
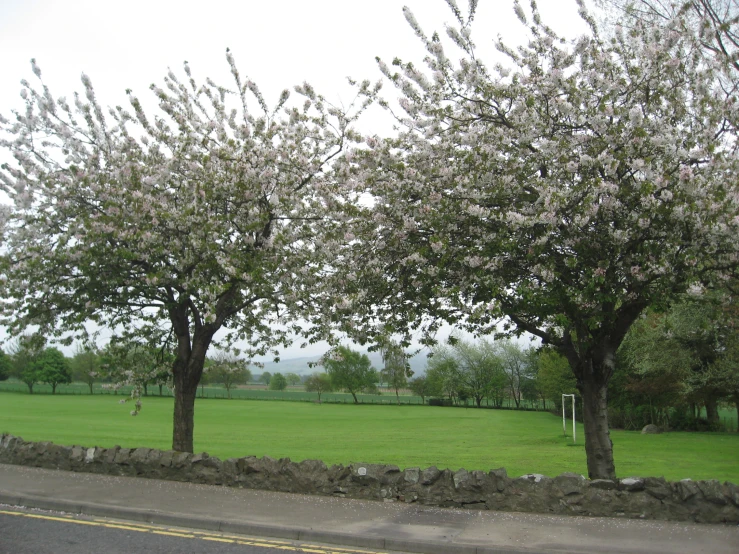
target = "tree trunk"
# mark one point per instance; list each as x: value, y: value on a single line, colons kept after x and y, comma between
x: 187, y: 371
x: 184, y: 419
x: 160, y: 390
x: 90, y: 385
x: 593, y: 366
x: 712, y: 410
x: 598, y: 445
x: 355, y: 398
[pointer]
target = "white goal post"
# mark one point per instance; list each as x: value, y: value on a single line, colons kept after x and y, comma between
x: 564, y: 421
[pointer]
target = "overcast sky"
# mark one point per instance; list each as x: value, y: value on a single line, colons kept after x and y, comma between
x: 278, y: 43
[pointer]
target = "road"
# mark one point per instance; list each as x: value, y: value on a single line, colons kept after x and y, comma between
x: 39, y: 532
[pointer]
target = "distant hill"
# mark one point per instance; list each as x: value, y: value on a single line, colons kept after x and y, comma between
x: 301, y: 365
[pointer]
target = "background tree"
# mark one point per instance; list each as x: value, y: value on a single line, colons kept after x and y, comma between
x: 350, y: 371
x: 6, y: 366
x: 319, y: 383
x: 396, y: 371
x: 443, y: 373
x: 420, y: 386
x: 566, y: 190
x: 293, y: 379
x: 24, y: 351
x: 85, y: 365
x: 265, y: 378
x: 278, y: 382
x: 518, y: 365
x: 554, y: 377
x: 684, y: 355
x: 464, y: 369
x: 229, y: 370
x: 205, y: 379
x: 52, y: 367
x: 479, y: 366
x: 201, y: 218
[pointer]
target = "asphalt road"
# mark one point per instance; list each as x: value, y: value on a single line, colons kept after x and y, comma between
x: 37, y: 532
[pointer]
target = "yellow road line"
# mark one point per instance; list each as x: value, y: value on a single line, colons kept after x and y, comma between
x: 341, y: 550
x: 216, y: 539
x: 119, y: 526
x: 227, y: 538
x: 172, y: 534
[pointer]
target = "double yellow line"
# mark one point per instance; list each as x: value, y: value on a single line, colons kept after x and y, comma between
x: 173, y: 532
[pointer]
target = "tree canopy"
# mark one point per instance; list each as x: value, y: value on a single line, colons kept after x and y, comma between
x: 209, y: 215
x: 561, y: 192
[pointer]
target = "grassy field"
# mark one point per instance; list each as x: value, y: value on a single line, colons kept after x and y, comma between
x: 522, y: 442
x: 252, y: 392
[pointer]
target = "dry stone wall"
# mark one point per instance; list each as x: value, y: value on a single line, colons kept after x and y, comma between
x: 567, y: 494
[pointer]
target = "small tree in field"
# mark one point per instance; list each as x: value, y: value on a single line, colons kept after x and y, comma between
x: 443, y: 373
x: 350, y: 370
x: 52, y: 368
x: 229, y: 370
x: 210, y: 215
x: 554, y: 377
x: 24, y: 352
x: 396, y: 370
x: 319, y: 383
x: 566, y: 189
x: 265, y: 378
x: 292, y: 379
x: 420, y: 386
x: 518, y: 364
x: 85, y: 365
x: 278, y: 382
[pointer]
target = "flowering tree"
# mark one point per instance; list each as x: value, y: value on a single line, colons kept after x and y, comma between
x: 207, y: 216
x: 714, y: 22
x: 136, y: 363
x: 565, y: 190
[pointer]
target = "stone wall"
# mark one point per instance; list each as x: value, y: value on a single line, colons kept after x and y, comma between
x: 567, y: 494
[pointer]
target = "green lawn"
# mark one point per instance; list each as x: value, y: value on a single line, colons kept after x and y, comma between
x: 522, y: 442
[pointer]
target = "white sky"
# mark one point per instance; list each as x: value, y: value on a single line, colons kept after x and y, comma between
x: 278, y: 44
